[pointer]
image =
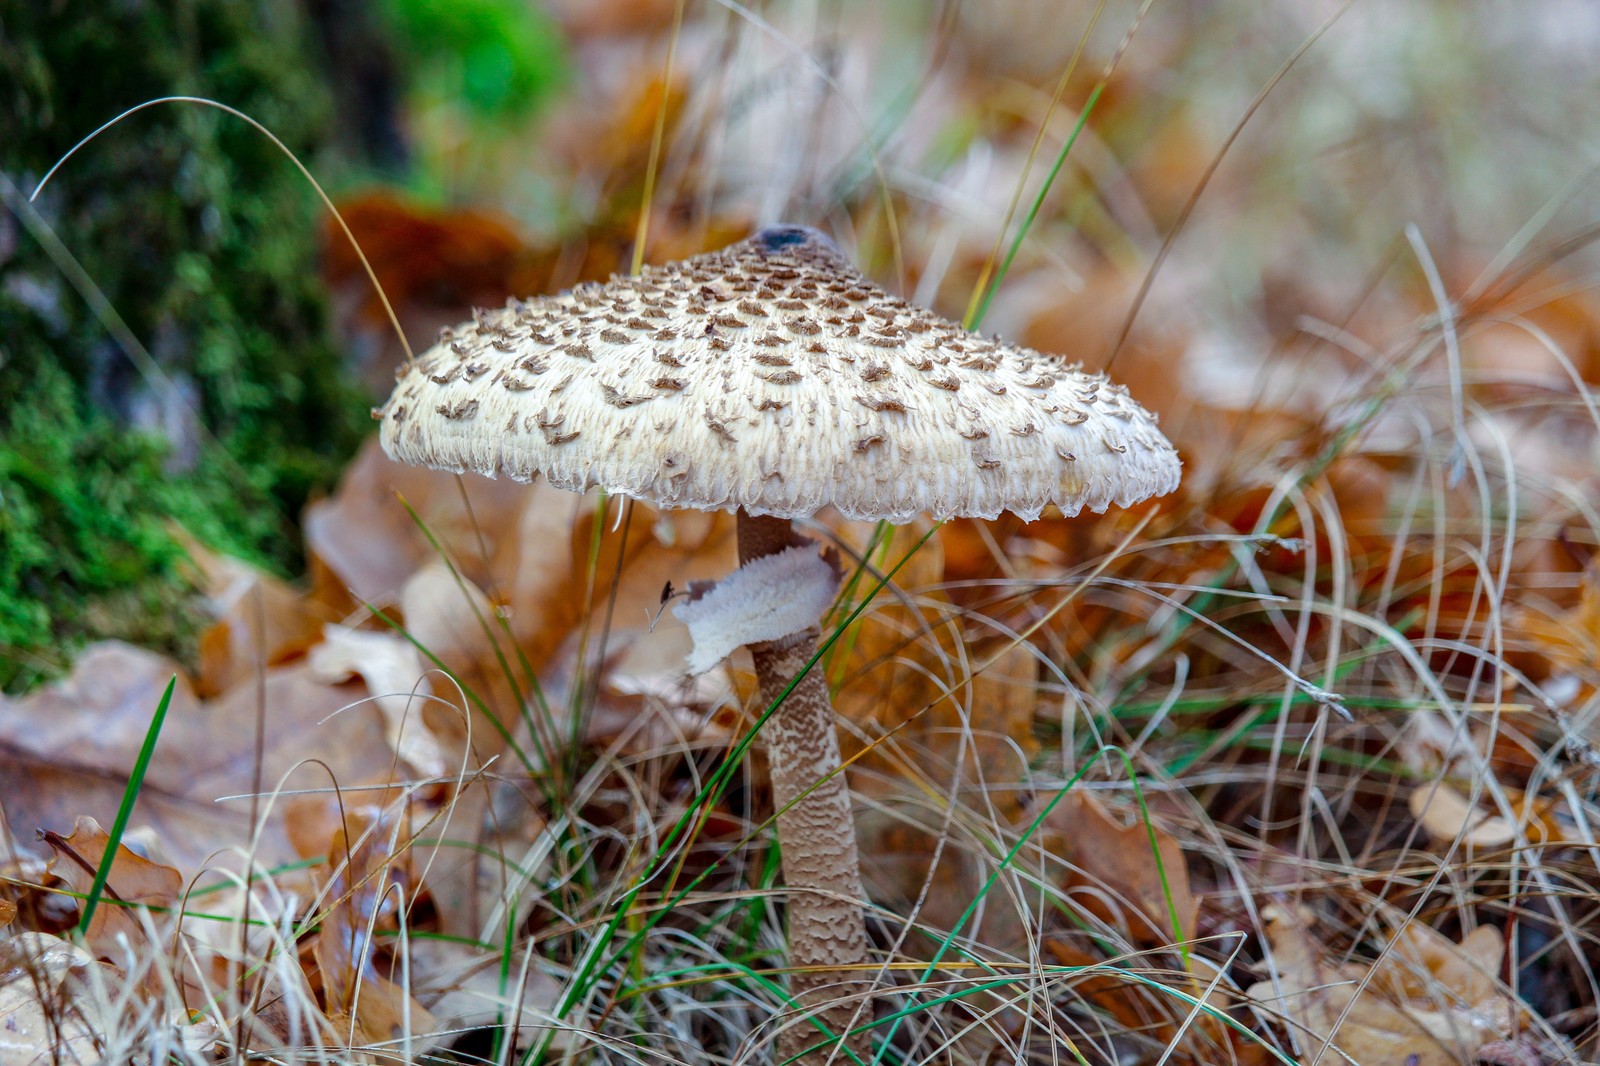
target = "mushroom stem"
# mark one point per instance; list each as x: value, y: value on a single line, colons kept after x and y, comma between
x: 817, y: 834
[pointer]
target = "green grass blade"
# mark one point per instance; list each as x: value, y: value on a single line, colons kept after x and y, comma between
x: 130, y: 796
x: 976, y: 319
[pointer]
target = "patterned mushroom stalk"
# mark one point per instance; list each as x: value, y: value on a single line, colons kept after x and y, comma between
x: 773, y: 379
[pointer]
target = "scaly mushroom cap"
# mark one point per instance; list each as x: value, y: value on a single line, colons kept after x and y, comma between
x: 771, y: 376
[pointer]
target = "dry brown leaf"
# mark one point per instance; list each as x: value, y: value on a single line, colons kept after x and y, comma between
x: 434, y: 266
x: 1005, y: 699
x: 1424, y: 964
x: 481, y: 864
x: 1102, y: 985
x: 96, y: 718
x: 66, y: 749
x: 527, y: 545
x: 39, y: 793
x: 1137, y: 1006
x: 40, y: 1025
x: 939, y: 706
x: 394, y: 674
x: 1510, y: 342
x: 582, y: 19
x: 547, y: 590
x: 362, y: 544
x: 302, y: 719
x: 485, y: 861
x: 887, y: 668
x: 1112, y: 872
x: 313, y: 819
x: 1448, y: 816
x: 1569, y: 643
x: 1428, y: 1002
x: 550, y: 610
x: 550, y: 596
x: 453, y: 621
x: 8, y: 912
x: 973, y: 549
x: 133, y: 881
x: 623, y: 150
x: 897, y: 861
x: 460, y: 985
x: 446, y: 615
x: 455, y: 259
x: 1087, y: 323
x: 538, y: 564
x: 384, y: 1015
x: 260, y: 621
x: 992, y: 743
x: 369, y: 871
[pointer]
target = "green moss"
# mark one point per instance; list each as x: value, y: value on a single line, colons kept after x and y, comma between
x: 86, y: 554
x: 500, y: 58
x: 202, y: 236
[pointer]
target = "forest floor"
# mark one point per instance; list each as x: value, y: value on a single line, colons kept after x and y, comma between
x: 1294, y: 764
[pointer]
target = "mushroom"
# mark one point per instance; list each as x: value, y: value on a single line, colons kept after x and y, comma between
x: 773, y: 379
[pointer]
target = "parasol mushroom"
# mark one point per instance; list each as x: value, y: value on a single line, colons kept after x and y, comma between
x: 773, y: 379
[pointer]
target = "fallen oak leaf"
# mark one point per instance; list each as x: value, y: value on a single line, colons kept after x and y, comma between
x: 363, y: 542
x: 1427, y: 1002
x: 1448, y: 816
x: 43, y: 1016
x: 133, y: 881
x: 394, y: 674
x: 1201, y: 1039
x: 1424, y: 964
x: 370, y: 873
x: 66, y: 749
x: 98, y: 716
x: 463, y: 988
x: 36, y: 791
x: 1114, y: 873
x: 456, y: 625
x: 259, y: 619
x: 1569, y: 643
x: 446, y: 615
x: 383, y: 1014
x: 467, y: 880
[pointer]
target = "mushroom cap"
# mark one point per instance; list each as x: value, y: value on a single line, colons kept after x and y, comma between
x: 771, y: 376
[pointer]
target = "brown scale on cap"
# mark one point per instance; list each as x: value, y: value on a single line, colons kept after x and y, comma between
x: 772, y: 321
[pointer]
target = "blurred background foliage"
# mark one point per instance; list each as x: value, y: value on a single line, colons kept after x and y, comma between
x: 492, y: 60
x: 185, y: 233
x: 487, y: 148
x: 165, y: 351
